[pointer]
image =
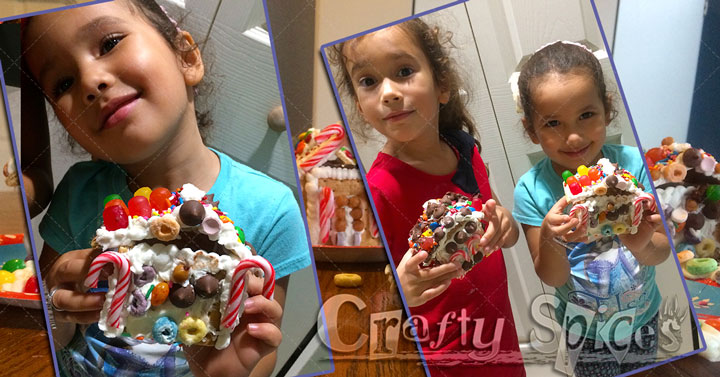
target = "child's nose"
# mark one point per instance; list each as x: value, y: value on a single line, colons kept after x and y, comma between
x: 94, y: 83
x: 390, y: 92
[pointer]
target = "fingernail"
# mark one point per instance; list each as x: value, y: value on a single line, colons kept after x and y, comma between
x: 253, y: 326
x: 249, y: 303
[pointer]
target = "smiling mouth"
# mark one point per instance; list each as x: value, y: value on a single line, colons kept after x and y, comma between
x: 118, y: 110
x: 398, y: 115
x: 577, y: 152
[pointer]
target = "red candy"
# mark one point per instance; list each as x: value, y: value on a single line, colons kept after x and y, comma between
x: 139, y: 206
x: 115, y: 218
x: 584, y: 180
x: 118, y: 202
x: 594, y: 174
x: 31, y: 286
x: 427, y: 243
x: 655, y: 155
x: 575, y: 188
x: 160, y: 199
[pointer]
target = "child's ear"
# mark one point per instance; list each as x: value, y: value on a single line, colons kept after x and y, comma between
x: 192, y: 64
x: 444, y: 97
x: 530, y: 131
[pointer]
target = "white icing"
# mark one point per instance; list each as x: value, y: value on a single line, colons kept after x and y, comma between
x: 323, y: 172
x: 190, y: 192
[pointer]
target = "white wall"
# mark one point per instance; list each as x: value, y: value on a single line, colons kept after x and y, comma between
x: 656, y: 52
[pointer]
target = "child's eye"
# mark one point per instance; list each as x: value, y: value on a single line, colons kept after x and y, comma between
x: 587, y: 114
x: 108, y: 43
x: 366, y: 81
x: 62, y: 86
x: 552, y: 123
x: 405, y: 72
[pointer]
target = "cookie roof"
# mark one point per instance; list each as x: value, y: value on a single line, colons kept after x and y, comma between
x: 188, y: 217
x: 679, y: 162
x: 604, y: 178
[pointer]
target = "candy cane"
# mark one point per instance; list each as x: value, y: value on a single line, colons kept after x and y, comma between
x: 327, y: 211
x: 329, y: 140
x: 583, y: 215
x: 122, y: 273
x: 238, y: 286
x: 460, y: 254
x: 642, y: 201
x: 473, y: 243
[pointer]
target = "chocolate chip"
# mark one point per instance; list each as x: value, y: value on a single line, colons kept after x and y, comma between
x: 611, y: 181
x: 695, y: 220
x: 182, y: 297
x: 461, y: 236
x: 471, y: 227
x: 438, y: 212
x: 207, y: 286
x: 192, y: 212
x: 692, y: 158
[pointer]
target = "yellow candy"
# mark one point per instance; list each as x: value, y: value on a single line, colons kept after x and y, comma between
x: 6, y: 277
x: 427, y: 233
x: 144, y: 191
x: 582, y: 170
x: 619, y: 228
x: 192, y: 330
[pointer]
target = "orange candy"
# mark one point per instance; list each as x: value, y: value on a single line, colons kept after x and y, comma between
x: 159, y: 294
x: 584, y: 180
x: 714, y: 322
x: 655, y: 154
x: 160, y: 199
x: 571, y: 180
x: 594, y: 174
x: 118, y: 202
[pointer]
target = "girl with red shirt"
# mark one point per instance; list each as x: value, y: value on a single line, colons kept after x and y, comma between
x: 406, y: 88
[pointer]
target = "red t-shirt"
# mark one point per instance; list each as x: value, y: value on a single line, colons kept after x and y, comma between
x: 478, y: 300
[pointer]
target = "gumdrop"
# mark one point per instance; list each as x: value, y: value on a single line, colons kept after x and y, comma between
x: 139, y: 206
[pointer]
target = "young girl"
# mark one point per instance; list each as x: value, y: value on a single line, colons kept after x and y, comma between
x: 406, y: 87
x: 566, y: 110
x: 120, y: 77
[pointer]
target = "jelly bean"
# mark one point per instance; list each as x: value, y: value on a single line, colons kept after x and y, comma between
x: 241, y: 234
x: 584, y: 180
x: 13, y: 264
x: 635, y: 181
x: 566, y: 174
x: 713, y: 193
x: 31, y: 286
x: 582, y: 170
x: 575, y: 188
x: 144, y: 191
x: 159, y: 294
x: 109, y: 198
x: 120, y: 203
x: 181, y: 273
x: 571, y: 180
x: 115, y: 218
x: 594, y: 174
x: 427, y: 243
x: 160, y: 198
x: 655, y: 155
x: 300, y: 147
x: 6, y: 277
x: 139, y: 206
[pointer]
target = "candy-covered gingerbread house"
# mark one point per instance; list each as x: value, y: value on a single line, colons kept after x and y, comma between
x: 337, y: 208
x: 179, y: 268
x: 607, y: 198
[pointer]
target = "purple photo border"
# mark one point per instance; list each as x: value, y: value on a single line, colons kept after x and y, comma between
x: 359, y: 162
x: 652, y: 185
x: 3, y: 19
x: 299, y: 189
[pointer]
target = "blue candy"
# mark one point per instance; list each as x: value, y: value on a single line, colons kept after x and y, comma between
x: 606, y: 230
x: 165, y: 330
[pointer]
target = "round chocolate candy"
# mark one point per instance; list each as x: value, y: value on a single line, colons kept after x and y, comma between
x: 451, y: 247
x: 438, y: 234
x: 448, y: 221
x: 192, y: 213
x: 690, y: 236
x: 471, y: 227
x: 613, y: 215
x: 438, y: 212
x: 695, y: 220
x: 692, y: 158
x: 461, y: 236
x: 466, y: 211
x: 182, y: 297
x: 711, y: 210
x: 207, y: 286
x: 145, y: 277
x: 611, y: 181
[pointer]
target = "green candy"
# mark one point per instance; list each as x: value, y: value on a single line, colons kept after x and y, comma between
x: 635, y: 181
x: 241, y: 234
x: 111, y: 197
x: 566, y: 174
x: 712, y: 193
x: 701, y: 266
x: 14, y: 264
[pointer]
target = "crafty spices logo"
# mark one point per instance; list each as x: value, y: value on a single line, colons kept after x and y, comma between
x: 612, y: 335
x: 383, y: 331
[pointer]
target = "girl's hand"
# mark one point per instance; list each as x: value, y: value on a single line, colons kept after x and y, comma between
x: 70, y: 300
x: 501, y: 231
x: 257, y: 335
x: 558, y: 224
x: 421, y: 285
x: 649, y: 225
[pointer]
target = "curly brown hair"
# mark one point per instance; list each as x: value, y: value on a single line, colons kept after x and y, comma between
x: 436, y: 45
